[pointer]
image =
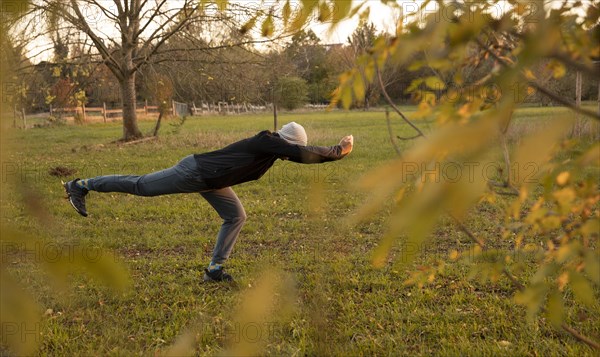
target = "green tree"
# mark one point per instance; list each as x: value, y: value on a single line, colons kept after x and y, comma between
x: 291, y: 92
x: 310, y: 59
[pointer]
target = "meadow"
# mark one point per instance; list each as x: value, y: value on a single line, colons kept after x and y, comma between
x: 338, y: 304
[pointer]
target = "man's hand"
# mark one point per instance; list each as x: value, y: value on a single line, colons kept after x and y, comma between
x: 347, y: 143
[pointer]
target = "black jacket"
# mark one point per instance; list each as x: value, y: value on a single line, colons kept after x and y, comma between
x: 249, y: 159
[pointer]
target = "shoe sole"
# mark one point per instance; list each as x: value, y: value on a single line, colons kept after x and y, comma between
x: 70, y: 201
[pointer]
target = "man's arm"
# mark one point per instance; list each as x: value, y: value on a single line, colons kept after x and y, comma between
x: 305, y: 154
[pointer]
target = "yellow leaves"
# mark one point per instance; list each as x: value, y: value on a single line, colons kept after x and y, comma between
x: 555, y: 309
x: 364, y: 15
x: 286, y: 12
x: 439, y: 191
x: 563, y: 178
x: 19, y: 318
x: 454, y: 255
x: 346, y: 96
x: 591, y: 157
x: 590, y: 228
x: 567, y: 252
x: 222, y: 4
x: 565, y: 198
x: 532, y: 297
x: 358, y: 86
x: 435, y: 83
x: 369, y: 70
x: 562, y: 280
x: 342, y: 8
x: 270, y: 303
x: 352, y: 85
x: 582, y: 289
x: 557, y: 68
x: 414, y: 85
x: 274, y: 293
x: 529, y: 75
x: 592, y: 265
x: 536, y: 149
x: 268, y: 26
x: 324, y: 12
x: 550, y: 222
x: 302, y: 15
x: 58, y: 261
x: 56, y: 71
x: 248, y: 25
x: 380, y: 254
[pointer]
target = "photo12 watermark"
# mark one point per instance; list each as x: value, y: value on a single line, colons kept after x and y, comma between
x: 51, y: 252
x: 12, y: 332
x: 466, y: 171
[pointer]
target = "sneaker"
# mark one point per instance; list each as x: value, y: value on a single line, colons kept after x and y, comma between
x: 76, y: 196
x: 217, y: 275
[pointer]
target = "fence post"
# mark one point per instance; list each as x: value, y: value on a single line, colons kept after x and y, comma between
x: 24, y: 118
x: 104, y: 112
x: 83, y: 111
x: 50, y: 109
x: 173, y: 107
x: 146, y: 106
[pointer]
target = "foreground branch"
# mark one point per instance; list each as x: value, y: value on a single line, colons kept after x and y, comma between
x: 566, y: 102
x: 389, y: 126
x: 521, y: 287
x: 391, y: 103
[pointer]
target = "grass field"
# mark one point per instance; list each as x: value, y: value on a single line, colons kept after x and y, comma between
x: 340, y: 304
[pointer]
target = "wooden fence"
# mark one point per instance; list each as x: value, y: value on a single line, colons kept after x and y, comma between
x: 177, y: 109
x: 103, y: 111
x: 228, y: 108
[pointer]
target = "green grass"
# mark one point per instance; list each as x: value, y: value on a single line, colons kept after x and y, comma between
x: 342, y: 305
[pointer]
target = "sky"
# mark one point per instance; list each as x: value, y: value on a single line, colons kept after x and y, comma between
x: 379, y: 15
x: 382, y: 16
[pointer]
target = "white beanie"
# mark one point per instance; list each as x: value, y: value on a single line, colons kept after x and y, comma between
x: 293, y: 133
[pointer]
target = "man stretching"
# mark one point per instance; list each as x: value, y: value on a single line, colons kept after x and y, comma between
x: 212, y: 174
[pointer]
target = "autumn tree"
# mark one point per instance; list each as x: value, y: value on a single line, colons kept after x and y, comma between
x: 128, y: 34
x: 552, y: 215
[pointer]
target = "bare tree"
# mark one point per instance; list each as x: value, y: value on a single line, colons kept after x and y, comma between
x: 128, y: 34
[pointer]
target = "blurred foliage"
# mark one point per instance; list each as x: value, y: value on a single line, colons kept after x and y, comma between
x: 20, y: 316
x: 262, y: 310
x: 554, y: 217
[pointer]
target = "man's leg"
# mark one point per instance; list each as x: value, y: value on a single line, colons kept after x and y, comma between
x: 230, y: 209
x: 181, y: 178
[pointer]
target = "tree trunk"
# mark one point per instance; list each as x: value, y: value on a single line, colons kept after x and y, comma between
x: 128, y: 97
x: 578, y: 127
x: 599, y: 97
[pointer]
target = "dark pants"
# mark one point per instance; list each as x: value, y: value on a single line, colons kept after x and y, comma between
x: 183, y: 178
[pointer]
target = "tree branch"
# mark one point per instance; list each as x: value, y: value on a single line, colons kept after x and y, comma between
x: 521, y: 287
x: 389, y: 126
x: 539, y: 87
x: 391, y: 102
